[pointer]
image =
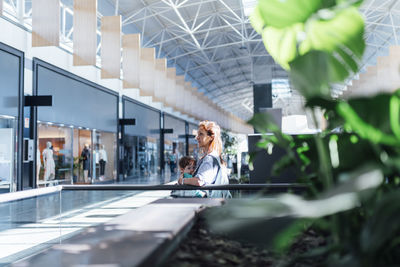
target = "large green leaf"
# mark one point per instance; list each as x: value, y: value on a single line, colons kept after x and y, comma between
x: 310, y: 72
x: 344, y: 28
x: 282, y: 43
x: 262, y: 220
x: 281, y: 14
x: 383, y: 225
x: 313, y: 72
x: 379, y: 124
x: 338, y: 31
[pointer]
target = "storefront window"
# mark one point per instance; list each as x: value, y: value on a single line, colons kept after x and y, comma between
x: 8, y: 154
x: 174, y: 150
x: 104, y: 164
x: 193, y: 145
x: 152, y: 155
x: 141, y: 156
x: 54, y: 155
x: 169, y: 159
x: 193, y: 148
x: 72, y: 155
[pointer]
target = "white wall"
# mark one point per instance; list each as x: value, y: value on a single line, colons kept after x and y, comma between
x: 21, y: 39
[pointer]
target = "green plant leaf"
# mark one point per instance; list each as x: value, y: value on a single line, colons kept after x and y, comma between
x: 243, y: 219
x: 282, y: 43
x: 329, y: 35
x: 383, y: 225
x: 284, y: 239
x: 281, y: 14
x: 256, y: 20
x: 363, y: 128
x: 263, y: 122
x: 309, y: 74
x: 322, y: 31
x: 313, y: 72
x: 325, y: 103
x: 282, y: 164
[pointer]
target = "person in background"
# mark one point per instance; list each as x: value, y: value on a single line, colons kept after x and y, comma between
x: 172, y: 160
x: 187, y: 166
x: 211, y: 169
x: 85, y: 156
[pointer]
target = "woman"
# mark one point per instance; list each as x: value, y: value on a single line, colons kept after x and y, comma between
x: 210, y: 168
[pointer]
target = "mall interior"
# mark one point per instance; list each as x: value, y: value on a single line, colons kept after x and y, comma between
x: 100, y: 99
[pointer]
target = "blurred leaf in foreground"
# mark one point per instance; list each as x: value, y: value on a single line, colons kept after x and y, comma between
x: 261, y: 220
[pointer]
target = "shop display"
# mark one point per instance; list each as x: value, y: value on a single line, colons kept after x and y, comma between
x: 6, y: 158
x: 48, y: 162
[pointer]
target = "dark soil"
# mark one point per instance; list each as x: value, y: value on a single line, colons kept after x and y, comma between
x: 202, y: 248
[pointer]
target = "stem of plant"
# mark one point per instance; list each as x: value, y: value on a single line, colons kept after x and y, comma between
x: 325, y: 165
x: 326, y: 174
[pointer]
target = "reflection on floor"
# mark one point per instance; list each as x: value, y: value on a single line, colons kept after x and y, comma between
x: 149, y: 179
x: 30, y: 225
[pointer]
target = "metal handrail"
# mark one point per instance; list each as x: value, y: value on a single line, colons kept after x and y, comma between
x: 20, y: 195
x: 185, y: 187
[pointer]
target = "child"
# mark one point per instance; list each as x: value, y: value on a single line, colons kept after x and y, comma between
x: 187, y: 166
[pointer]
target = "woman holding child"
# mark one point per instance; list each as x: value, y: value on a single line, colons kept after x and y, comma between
x: 209, y: 169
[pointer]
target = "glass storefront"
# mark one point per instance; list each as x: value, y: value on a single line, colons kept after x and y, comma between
x: 174, y: 145
x: 174, y: 149
x: 104, y: 163
x: 141, y: 156
x: 141, y: 143
x: 8, y: 155
x: 73, y: 155
x: 193, y: 145
x: 55, y: 153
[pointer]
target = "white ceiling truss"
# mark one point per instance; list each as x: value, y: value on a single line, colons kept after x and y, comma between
x: 212, y: 43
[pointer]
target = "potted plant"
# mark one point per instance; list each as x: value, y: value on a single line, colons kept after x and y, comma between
x: 353, y: 199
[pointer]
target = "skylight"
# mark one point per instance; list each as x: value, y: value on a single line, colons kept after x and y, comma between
x: 248, y: 6
x: 281, y: 88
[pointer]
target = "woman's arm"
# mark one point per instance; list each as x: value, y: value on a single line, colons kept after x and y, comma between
x: 192, y: 181
x: 180, y: 180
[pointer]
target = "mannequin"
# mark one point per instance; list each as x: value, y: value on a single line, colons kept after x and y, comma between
x: 38, y: 162
x: 48, y: 162
x: 85, y: 155
x: 102, y: 161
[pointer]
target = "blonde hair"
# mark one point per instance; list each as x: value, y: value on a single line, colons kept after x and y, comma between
x: 214, y: 131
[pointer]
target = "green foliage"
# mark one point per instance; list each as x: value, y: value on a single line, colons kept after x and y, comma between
x: 293, y: 28
x: 230, y: 143
x: 353, y: 172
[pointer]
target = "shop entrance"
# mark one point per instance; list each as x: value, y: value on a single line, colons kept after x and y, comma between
x: 173, y: 151
x: 53, y: 156
x: 8, y: 144
x: 140, y: 157
x: 104, y: 164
